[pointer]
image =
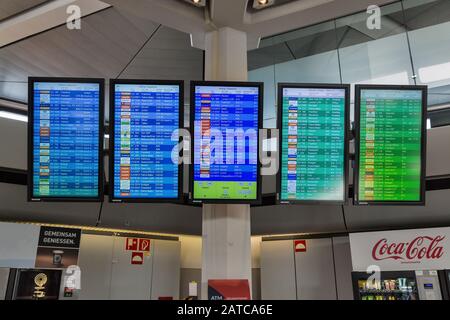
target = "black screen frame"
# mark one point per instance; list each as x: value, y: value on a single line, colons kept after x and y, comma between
x: 260, y: 86
x: 358, y: 89
x: 101, y: 173
x: 112, y: 83
x: 345, y: 87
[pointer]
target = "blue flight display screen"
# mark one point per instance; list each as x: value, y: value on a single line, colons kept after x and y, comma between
x: 66, y: 121
x: 146, y: 117
x: 226, y: 142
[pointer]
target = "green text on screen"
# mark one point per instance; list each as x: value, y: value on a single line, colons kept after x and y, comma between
x: 313, y: 144
x: 390, y: 145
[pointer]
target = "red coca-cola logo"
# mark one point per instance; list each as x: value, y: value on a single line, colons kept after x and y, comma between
x: 419, y: 248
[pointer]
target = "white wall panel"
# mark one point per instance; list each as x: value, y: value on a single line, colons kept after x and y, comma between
x: 438, y: 151
x: 278, y: 270
x: 343, y: 267
x: 315, y: 271
x: 95, y: 261
x: 18, y: 245
x: 130, y: 281
x: 166, y: 269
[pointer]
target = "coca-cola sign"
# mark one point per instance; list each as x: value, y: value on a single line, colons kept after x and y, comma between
x: 419, y: 249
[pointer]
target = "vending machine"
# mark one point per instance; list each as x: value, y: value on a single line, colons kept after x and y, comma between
x: 444, y: 276
x: 397, y: 285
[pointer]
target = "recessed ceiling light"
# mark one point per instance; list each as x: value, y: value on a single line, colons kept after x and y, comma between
x: 197, y: 3
x: 260, y: 4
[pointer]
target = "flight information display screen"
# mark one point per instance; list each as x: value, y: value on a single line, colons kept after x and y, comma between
x: 65, y: 128
x: 146, y: 121
x: 390, y: 150
x: 226, y: 123
x: 313, y: 158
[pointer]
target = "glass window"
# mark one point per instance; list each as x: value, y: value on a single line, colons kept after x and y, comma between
x: 307, y: 55
x: 429, y: 25
x: 374, y: 56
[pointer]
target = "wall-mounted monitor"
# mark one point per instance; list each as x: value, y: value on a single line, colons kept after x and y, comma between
x: 225, y: 122
x: 145, y: 118
x: 313, y: 120
x: 390, y: 144
x: 65, y: 139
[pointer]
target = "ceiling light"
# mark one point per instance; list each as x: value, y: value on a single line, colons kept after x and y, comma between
x: 13, y: 116
x: 197, y: 3
x: 260, y: 4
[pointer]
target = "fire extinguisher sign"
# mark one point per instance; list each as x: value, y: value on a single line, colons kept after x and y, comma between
x: 300, y: 245
x: 139, y: 248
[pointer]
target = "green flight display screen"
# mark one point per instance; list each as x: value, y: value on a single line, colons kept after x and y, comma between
x: 391, y: 130
x: 313, y: 143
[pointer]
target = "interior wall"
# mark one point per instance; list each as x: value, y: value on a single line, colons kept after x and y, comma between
x: 343, y: 267
x: 18, y: 245
x: 166, y: 269
x: 322, y: 272
x: 108, y: 274
x: 94, y: 260
x: 190, y: 264
x: 278, y: 281
x: 315, y: 272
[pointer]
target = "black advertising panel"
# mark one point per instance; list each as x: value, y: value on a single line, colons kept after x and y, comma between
x: 225, y: 122
x: 390, y: 144
x: 145, y: 118
x: 35, y: 284
x: 58, y: 248
x: 313, y: 120
x: 59, y: 237
x: 65, y: 139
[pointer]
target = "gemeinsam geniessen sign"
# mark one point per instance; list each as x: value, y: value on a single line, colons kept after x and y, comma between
x: 401, y: 250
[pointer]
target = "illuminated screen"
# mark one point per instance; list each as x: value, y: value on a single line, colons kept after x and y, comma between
x: 226, y: 120
x: 145, y: 118
x: 65, y: 137
x: 390, y: 145
x: 313, y: 125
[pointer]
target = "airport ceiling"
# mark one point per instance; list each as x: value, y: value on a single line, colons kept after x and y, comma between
x: 112, y: 43
x: 10, y: 8
x: 127, y: 40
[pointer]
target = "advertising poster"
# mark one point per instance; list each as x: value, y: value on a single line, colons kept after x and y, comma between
x: 401, y: 250
x: 38, y: 285
x: 58, y: 248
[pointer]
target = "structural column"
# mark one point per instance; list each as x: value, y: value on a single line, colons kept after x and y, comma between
x: 226, y: 243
